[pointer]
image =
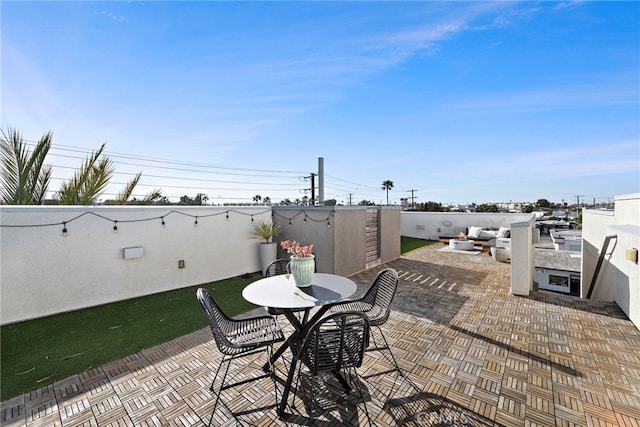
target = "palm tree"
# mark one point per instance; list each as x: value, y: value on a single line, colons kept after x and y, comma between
x: 387, y: 185
x: 257, y: 198
x: 25, y: 179
x: 24, y: 176
x: 88, y: 181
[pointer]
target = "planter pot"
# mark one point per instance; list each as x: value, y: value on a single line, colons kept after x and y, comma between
x: 501, y: 254
x: 268, y: 253
x: 302, y: 270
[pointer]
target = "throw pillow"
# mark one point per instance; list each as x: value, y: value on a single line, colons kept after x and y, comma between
x: 504, y: 232
x: 474, y: 231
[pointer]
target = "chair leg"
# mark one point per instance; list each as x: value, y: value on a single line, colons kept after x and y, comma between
x: 224, y: 376
x: 272, y: 371
x: 384, y: 347
x: 393, y: 359
x: 359, y: 388
x: 287, y: 387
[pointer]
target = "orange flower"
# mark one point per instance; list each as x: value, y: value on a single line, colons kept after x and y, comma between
x: 296, y: 249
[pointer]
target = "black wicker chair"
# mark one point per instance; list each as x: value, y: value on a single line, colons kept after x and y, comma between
x: 334, y: 344
x: 276, y: 267
x: 376, y: 304
x: 238, y: 338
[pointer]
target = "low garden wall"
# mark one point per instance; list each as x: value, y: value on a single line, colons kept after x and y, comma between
x: 113, y: 253
x: 61, y: 258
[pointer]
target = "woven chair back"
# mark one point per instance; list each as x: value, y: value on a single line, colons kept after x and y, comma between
x: 276, y: 267
x: 335, y: 342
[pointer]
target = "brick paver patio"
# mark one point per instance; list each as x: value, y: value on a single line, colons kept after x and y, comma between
x: 475, y: 355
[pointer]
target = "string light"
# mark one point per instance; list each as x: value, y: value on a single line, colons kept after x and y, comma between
x: 196, y: 219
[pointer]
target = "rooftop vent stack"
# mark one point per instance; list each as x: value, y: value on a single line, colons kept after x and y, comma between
x: 320, y: 181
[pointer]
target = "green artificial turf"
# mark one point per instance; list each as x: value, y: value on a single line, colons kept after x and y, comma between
x: 408, y: 244
x: 42, y: 351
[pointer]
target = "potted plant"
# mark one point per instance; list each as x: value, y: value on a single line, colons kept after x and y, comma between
x: 268, y: 250
x: 303, y: 263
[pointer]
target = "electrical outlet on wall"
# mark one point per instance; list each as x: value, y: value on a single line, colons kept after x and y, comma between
x: 181, y: 263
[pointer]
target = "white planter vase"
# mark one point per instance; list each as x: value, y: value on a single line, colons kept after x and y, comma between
x: 268, y: 253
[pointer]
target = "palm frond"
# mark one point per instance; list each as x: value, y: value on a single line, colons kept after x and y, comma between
x: 127, y: 191
x: 25, y: 178
x: 152, y: 197
x: 88, y: 181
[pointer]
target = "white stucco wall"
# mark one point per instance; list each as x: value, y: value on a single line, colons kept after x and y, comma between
x: 430, y: 225
x: 43, y: 272
x: 619, y: 278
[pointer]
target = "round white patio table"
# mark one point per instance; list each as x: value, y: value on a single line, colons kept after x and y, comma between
x: 281, y: 292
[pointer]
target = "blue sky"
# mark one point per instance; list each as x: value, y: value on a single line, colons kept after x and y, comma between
x: 461, y: 101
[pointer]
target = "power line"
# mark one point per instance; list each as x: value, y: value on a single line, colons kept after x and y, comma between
x: 184, y: 178
x: 206, y: 173
x: 164, y: 161
x: 352, y: 183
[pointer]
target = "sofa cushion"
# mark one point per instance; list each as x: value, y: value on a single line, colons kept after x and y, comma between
x: 504, y: 232
x: 488, y: 234
x: 474, y: 231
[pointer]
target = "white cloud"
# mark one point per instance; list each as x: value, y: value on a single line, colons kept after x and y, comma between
x: 113, y: 16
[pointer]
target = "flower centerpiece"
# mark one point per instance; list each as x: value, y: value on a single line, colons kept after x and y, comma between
x: 296, y: 249
x: 302, y: 264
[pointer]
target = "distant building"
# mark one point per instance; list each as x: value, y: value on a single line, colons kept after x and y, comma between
x: 558, y: 271
x: 546, y: 225
x: 566, y: 240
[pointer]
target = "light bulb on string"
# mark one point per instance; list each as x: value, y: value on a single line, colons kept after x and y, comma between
x: 115, y: 226
x: 227, y: 215
x: 196, y: 221
x: 252, y: 218
x: 163, y: 223
x: 64, y: 228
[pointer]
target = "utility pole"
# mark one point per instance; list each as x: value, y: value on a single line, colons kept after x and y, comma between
x: 313, y: 189
x: 320, y: 181
x: 413, y: 203
x: 350, y: 194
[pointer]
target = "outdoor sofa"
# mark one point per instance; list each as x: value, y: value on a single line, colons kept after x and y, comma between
x: 481, y: 236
